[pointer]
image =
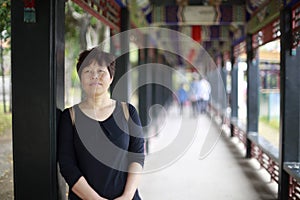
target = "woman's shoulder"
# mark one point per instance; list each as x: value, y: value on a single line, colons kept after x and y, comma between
x: 66, y: 111
x: 130, y: 106
x: 132, y: 109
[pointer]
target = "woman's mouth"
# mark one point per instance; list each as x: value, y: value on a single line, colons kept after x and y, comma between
x: 95, y: 84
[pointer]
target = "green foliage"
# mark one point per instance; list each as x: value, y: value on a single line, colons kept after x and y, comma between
x: 274, y: 123
x: 75, y: 78
x: 72, y: 35
x: 72, y: 27
x: 5, y: 17
x: 5, y: 120
x: 72, y: 46
x: 93, y: 21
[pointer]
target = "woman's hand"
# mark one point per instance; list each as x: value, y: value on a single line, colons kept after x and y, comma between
x: 101, y: 198
x: 95, y: 197
x: 82, y: 189
x: 124, y: 197
x: 132, y: 181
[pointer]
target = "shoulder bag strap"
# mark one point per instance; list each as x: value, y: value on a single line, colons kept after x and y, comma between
x: 125, y: 110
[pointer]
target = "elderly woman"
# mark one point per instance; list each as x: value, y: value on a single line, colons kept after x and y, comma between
x: 100, y: 141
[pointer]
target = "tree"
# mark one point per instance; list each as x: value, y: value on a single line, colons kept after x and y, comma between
x: 5, y: 16
x: 5, y: 30
x: 83, y: 31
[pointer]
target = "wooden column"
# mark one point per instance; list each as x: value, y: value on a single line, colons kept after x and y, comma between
x: 37, y: 85
x: 289, y: 103
x: 234, y: 90
x: 123, y: 61
x: 252, y: 91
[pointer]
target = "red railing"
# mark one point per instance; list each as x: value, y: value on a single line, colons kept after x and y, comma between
x: 265, y: 161
x: 240, y: 134
x: 294, y: 189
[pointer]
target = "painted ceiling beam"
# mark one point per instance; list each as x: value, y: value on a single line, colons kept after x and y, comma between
x: 198, y: 15
x: 107, y: 11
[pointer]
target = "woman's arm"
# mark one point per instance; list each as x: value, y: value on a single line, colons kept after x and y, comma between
x: 68, y: 161
x: 66, y: 153
x: 83, y: 190
x: 133, y: 179
x: 136, y: 155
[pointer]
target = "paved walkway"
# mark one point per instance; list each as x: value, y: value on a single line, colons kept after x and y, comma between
x: 6, y: 170
x: 212, y: 167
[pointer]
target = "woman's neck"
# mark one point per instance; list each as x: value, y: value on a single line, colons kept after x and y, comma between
x: 97, y: 102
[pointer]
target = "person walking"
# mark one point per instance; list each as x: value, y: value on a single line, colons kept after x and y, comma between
x: 194, y: 95
x: 205, y: 90
x: 182, y: 97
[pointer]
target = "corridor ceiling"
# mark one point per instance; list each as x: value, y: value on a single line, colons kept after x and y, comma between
x: 214, y: 24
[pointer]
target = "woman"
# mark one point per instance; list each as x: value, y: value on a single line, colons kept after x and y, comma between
x: 98, y: 158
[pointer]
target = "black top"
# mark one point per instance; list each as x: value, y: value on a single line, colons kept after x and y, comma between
x: 100, y: 150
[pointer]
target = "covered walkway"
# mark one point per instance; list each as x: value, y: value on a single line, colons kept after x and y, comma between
x: 222, y: 173
x: 229, y: 170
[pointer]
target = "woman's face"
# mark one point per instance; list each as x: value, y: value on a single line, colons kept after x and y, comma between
x: 95, y: 79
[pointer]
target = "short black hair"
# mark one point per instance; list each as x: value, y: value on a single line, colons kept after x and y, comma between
x: 95, y: 54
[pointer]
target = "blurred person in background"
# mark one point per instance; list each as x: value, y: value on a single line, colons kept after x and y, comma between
x: 194, y: 95
x: 205, y: 90
x: 182, y: 97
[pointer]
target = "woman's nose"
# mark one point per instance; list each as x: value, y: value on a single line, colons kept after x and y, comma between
x: 95, y: 75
